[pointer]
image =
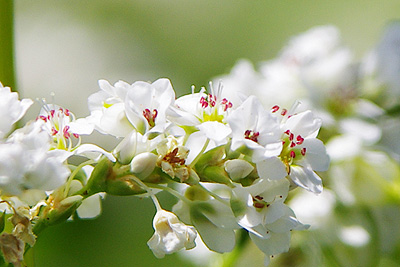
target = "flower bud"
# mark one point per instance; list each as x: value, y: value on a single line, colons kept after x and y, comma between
x: 64, y: 210
x: 143, y: 164
x: 238, y: 169
x: 124, y: 186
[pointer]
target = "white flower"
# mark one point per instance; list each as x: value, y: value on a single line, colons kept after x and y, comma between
x: 133, y: 144
x: 213, y: 220
x: 11, y: 109
x: 302, y: 152
x: 206, y: 112
x: 107, y: 109
x: 259, y: 204
x: 172, y: 157
x: 26, y: 162
x: 61, y: 125
x: 147, y: 104
x: 170, y: 234
x: 255, y: 128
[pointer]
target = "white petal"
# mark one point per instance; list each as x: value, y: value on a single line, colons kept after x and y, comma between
x: 316, y: 154
x: 277, y: 243
x: 271, y: 168
x: 306, y: 178
x: 90, y: 207
x: 215, y: 130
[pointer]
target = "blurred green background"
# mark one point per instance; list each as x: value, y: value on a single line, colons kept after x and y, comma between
x: 66, y: 46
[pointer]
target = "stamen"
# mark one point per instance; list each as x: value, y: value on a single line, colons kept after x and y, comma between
x: 299, y: 139
x: 284, y: 111
x: 275, y: 108
x: 251, y: 135
x: 303, y: 151
x: 292, y: 154
x: 150, y: 116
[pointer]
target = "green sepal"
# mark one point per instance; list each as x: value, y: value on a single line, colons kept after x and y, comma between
x: 97, y: 181
x: 124, y: 186
x: 2, y: 221
x: 210, y: 158
x: 216, y: 174
x: 64, y: 210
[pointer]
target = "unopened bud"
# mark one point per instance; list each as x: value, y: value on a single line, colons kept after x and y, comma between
x: 143, y: 164
x: 238, y: 169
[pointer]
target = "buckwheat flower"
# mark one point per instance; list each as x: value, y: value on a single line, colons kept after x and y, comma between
x: 65, y: 131
x: 259, y: 204
x: 259, y: 209
x: 147, y: 105
x: 133, y: 144
x: 213, y: 220
x: 11, y: 109
x: 302, y: 152
x: 107, y: 109
x: 172, y: 158
x: 256, y: 129
x: 206, y: 112
x: 28, y: 162
x: 171, y: 235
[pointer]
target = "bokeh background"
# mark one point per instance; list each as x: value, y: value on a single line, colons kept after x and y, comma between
x: 66, y: 46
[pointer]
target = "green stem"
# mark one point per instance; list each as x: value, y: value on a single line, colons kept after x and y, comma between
x: 171, y: 191
x: 7, y: 75
x: 201, y: 153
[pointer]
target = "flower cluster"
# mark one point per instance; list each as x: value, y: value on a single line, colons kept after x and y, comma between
x: 254, y: 155
x: 358, y: 101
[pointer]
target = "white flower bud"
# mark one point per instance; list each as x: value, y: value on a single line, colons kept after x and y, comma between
x: 143, y: 164
x: 238, y: 168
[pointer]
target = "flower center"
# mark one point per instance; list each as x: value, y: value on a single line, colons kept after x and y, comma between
x: 57, y: 123
x: 251, y: 135
x: 150, y: 116
x: 292, y: 149
x: 173, y: 158
x: 212, y: 103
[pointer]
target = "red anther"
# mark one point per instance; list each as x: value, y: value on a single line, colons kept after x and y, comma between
x: 65, y: 132
x: 54, y: 131
x: 224, y: 101
x: 75, y: 135
x: 292, y: 154
x: 292, y: 144
x: 291, y: 136
x: 155, y: 113
x: 275, y: 108
x: 259, y: 197
x: 52, y: 112
x: 43, y: 118
x: 251, y: 135
x: 230, y: 105
x: 284, y: 111
x: 283, y: 143
x: 259, y: 205
x: 66, y: 112
x: 303, y: 151
x: 299, y: 139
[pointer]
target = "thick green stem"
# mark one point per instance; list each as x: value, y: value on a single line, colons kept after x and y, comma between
x: 7, y: 75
